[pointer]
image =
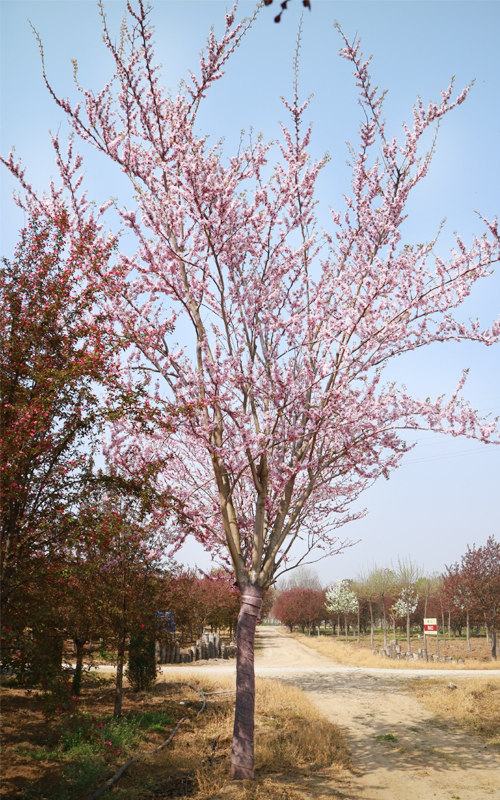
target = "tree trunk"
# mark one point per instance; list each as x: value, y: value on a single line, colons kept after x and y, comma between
x: 408, y: 637
x: 371, y: 624
x: 494, y: 645
x: 119, y: 666
x: 444, y: 630
x: 242, y: 751
x: 358, y: 626
x: 77, y: 677
x: 468, y: 633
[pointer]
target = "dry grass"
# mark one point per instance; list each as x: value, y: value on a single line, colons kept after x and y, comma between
x: 292, y: 742
x: 356, y: 655
x: 297, y: 752
x: 474, y: 704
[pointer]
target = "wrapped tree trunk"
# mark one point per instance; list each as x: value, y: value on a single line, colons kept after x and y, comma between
x: 242, y: 752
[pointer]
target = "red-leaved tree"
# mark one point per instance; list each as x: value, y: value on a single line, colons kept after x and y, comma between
x: 285, y: 327
x: 53, y: 356
x: 478, y: 586
x: 304, y: 607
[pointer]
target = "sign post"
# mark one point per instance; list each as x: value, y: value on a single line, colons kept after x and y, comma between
x: 431, y: 629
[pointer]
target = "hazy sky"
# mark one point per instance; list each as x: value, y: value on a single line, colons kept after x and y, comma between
x: 447, y: 493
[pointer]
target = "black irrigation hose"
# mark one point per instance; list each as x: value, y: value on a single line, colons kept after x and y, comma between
x: 187, y: 781
x: 109, y: 783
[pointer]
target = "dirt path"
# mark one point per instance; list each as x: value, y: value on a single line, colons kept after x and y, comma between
x: 429, y: 759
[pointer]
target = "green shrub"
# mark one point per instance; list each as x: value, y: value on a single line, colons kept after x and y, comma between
x: 141, y: 670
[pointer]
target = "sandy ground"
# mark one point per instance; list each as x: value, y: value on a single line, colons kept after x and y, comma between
x: 429, y: 759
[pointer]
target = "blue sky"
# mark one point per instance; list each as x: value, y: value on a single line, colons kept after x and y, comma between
x: 446, y: 494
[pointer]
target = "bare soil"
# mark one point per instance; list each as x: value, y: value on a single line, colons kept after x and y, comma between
x: 26, y: 732
x: 422, y: 756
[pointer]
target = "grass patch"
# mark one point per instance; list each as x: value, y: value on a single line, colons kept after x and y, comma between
x: 90, y: 749
x: 474, y: 704
x: 352, y: 654
x: 387, y: 737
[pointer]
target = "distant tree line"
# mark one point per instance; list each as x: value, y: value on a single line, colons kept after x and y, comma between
x: 465, y: 596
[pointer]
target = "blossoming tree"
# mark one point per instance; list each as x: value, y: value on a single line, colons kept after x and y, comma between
x: 341, y: 599
x: 285, y: 328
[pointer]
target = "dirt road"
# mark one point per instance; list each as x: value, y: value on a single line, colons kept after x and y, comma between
x: 429, y: 759
x: 426, y: 760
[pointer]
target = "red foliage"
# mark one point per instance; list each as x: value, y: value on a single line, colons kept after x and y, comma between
x: 304, y: 607
x: 477, y: 582
x: 53, y: 355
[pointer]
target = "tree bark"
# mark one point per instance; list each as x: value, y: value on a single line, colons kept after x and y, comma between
x: 77, y: 677
x: 119, y: 676
x: 468, y: 633
x: 371, y: 624
x: 119, y: 666
x: 408, y: 630
x: 242, y: 751
x: 494, y: 645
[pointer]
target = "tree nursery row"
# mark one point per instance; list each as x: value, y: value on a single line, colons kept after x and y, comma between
x: 465, y: 598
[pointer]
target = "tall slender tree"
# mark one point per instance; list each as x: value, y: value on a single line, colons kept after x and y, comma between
x: 407, y: 573
x: 367, y: 589
x: 480, y: 573
x: 286, y: 328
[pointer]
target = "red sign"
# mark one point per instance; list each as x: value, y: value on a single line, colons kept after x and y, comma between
x: 430, y: 626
